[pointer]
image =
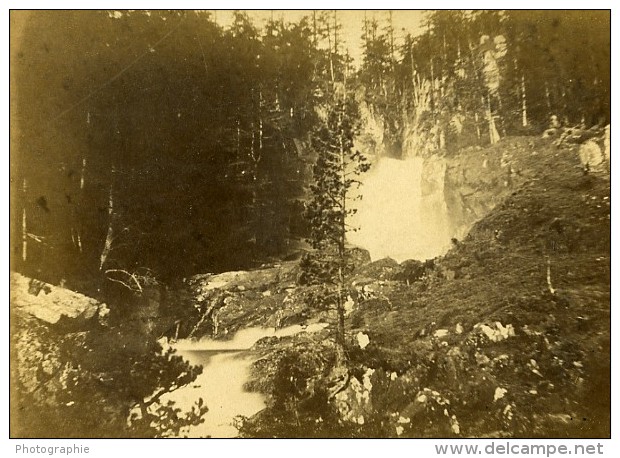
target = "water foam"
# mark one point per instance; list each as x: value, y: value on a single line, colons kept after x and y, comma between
x: 245, y: 338
x: 399, y: 216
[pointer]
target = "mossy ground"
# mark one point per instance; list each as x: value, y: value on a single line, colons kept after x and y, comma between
x: 552, y: 234
x: 539, y: 262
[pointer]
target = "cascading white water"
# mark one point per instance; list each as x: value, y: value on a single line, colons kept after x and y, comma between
x: 403, y: 213
x: 226, y: 369
x: 221, y: 388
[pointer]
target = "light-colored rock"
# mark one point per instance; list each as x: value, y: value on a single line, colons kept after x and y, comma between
x: 481, y: 359
x: 454, y: 425
x: 362, y: 340
x: 244, y: 280
x: 348, y: 306
x: 354, y: 402
x: 607, y: 143
x: 590, y: 155
x: 366, y: 380
x: 49, y: 303
x: 499, y: 393
x: 496, y: 332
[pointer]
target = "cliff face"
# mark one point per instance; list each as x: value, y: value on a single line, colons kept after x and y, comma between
x: 476, y: 180
x: 416, y: 200
x: 414, y: 203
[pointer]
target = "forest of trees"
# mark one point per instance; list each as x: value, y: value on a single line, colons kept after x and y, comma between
x: 161, y: 144
x: 474, y: 77
x: 156, y: 141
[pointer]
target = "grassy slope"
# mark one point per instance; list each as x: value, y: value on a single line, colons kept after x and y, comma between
x: 556, y: 368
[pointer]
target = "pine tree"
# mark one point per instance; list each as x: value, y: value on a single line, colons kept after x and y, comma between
x: 336, y: 172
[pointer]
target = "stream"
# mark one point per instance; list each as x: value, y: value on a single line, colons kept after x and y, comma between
x: 226, y: 368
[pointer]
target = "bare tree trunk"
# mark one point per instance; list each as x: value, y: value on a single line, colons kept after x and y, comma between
x: 76, y: 232
x: 432, y: 88
x: 210, y: 313
x: 548, y: 96
x: 110, y: 235
x: 523, y: 102
x: 24, y: 226
x: 176, y: 331
x: 238, y: 138
x: 412, y: 64
x: 82, y: 174
x: 392, y: 47
x: 252, y: 149
x: 340, y: 329
x: 336, y: 32
x: 260, y: 121
x: 331, y: 60
x: 315, y: 39
x: 365, y: 28
x: 493, y: 134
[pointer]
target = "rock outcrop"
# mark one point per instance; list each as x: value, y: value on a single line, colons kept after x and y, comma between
x: 44, y: 318
x: 413, y: 208
x: 50, y: 303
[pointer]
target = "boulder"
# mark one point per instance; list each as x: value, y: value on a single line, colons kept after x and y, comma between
x: 412, y: 270
x: 381, y: 269
x: 38, y: 365
x: 358, y: 256
x: 245, y: 280
x: 354, y: 402
x: 49, y: 303
x: 591, y: 156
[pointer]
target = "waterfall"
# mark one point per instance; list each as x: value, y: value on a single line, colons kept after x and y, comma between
x: 403, y: 213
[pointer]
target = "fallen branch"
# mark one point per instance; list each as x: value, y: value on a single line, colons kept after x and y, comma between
x: 211, y: 312
x: 36, y: 238
x: 136, y: 289
x: 203, y: 318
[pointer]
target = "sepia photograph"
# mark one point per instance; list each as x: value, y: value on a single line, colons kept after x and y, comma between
x: 340, y: 224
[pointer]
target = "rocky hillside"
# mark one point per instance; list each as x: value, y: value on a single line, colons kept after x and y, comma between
x: 508, y: 334
x: 512, y: 326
